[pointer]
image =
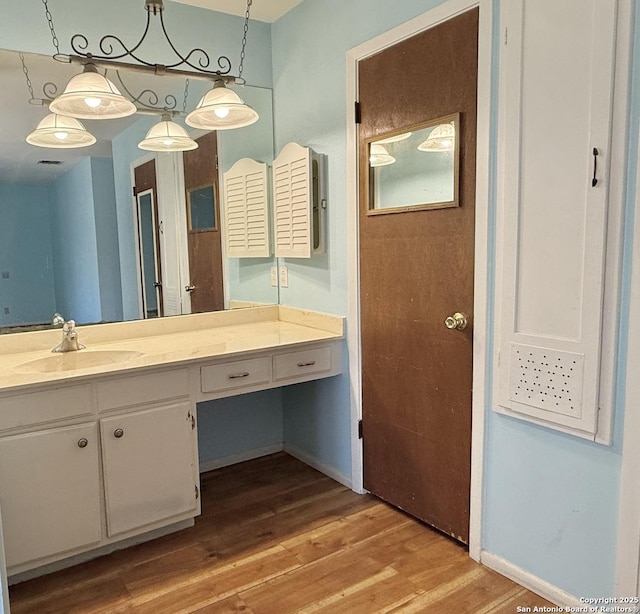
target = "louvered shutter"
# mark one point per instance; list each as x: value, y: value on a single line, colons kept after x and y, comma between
x: 292, y: 186
x: 246, y: 210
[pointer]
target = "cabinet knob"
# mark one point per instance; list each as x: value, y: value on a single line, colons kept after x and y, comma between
x: 118, y: 433
x: 83, y: 443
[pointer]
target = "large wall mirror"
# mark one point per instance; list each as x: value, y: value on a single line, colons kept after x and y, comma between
x: 73, y: 234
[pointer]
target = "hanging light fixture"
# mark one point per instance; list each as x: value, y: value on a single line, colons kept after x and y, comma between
x: 379, y: 156
x: 221, y: 109
x: 167, y: 135
x: 90, y: 95
x: 441, y: 139
x: 60, y: 132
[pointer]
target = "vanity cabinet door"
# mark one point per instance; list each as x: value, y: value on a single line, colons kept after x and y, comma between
x: 150, y: 471
x: 50, y: 492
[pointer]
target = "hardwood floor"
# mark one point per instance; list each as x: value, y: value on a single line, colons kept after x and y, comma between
x: 276, y: 536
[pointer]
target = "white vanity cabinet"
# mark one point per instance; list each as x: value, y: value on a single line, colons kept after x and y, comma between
x: 50, y: 492
x: 149, y: 450
x: 84, y: 466
x: 149, y: 469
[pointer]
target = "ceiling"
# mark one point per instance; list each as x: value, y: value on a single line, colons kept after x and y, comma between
x: 262, y: 10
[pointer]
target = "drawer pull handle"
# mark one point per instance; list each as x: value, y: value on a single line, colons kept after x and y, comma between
x: 83, y: 443
x: 118, y: 433
x: 307, y: 364
x: 239, y: 375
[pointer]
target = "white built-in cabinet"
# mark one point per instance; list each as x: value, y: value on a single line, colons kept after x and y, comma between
x: 50, y: 485
x: 86, y: 465
x: 556, y: 111
x: 149, y: 472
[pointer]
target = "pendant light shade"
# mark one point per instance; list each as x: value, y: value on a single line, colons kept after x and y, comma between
x: 379, y: 156
x: 441, y: 138
x: 221, y: 109
x: 166, y: 135
x: 60, y: 132
x: 90, y: 95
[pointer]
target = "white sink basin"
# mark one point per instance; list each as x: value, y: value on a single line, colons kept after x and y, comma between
x: 81, y: 359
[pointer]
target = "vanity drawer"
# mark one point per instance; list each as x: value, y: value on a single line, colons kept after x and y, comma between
x: 304, y: 362
x: 44, y: 407
x: 141, y: 389
x: 229, y: 375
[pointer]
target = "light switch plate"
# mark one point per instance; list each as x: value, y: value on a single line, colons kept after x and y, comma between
x: 284, y: 277
x: 274, y: 276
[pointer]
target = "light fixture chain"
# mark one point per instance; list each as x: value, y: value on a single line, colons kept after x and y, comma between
x: 244, y: 39
x: 54, y: 37
x: 186, y: 95
x: 25, y: 70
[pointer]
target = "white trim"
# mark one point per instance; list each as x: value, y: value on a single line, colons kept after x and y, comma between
x: 312, y: 461
x: 535, y: 584
x: 439, y: 14
x: 627, y: 580
x: 234, y: 459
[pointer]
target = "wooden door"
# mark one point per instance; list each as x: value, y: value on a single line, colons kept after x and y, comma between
x: 203, y: 225
x: 148, y: 230
x: 416, y: 269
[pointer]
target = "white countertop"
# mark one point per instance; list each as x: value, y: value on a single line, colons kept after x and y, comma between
x: 163, y: 342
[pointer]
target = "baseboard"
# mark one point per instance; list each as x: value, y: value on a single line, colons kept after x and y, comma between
x: 312, y: 461
x: 83, y: 557
x: 217, y: 463
x: 535, y: 584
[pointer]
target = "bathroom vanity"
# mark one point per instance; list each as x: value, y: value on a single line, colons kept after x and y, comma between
x: 98, y: 448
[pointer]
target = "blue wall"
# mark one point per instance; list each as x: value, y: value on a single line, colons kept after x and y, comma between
x: 551, y: 501
x: 236, y: 425
x: 75, y: 251
x: 106, y: 229
x: 26, y: 254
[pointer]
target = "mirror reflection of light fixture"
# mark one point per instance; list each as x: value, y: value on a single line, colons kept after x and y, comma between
x: 221, y: 109
x: 379, y: 156
x: 166, y: 135
x: 60, y: 132
x: 396, y: 138
x: 91, y: 95
x: 441, y: 138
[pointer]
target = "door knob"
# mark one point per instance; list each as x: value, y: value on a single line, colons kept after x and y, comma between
x: 457, y: 321
x: 118, y: 433
x: 189, y: 288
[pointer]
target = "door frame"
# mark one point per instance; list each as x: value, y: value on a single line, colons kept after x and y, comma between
x: 170, y: 195
x: 157, y: 263
x: 485, y: 214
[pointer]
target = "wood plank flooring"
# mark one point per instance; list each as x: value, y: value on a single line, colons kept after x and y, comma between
x: 276, y: 536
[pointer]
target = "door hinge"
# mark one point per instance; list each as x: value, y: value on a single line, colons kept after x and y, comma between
x: 191, y: 417
x: 134, y: 190
x: 358, y: 113
x: 359, y: 429
x: 197, y: 492
x: 506, y: 36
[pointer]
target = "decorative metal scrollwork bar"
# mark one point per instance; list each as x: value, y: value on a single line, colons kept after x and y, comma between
x: 155, y: 69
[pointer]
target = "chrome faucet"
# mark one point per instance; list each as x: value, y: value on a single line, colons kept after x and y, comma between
x: 69, y: 341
